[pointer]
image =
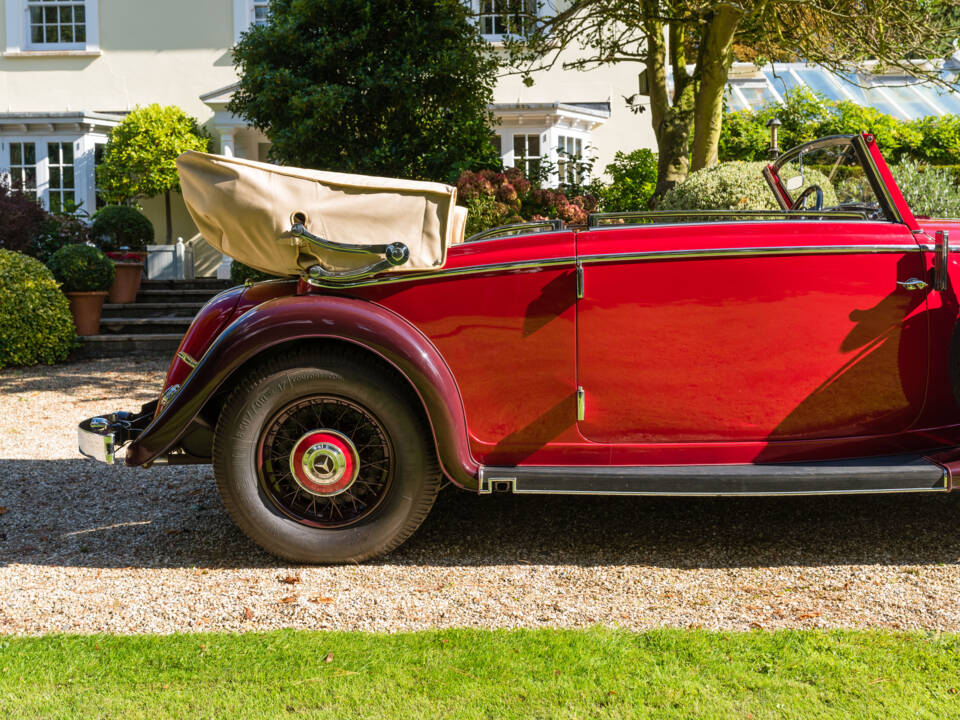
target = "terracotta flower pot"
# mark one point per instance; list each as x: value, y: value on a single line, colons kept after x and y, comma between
x: 126, y: 283
x: 86, y: 308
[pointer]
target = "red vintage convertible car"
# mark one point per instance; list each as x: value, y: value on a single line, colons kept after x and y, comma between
x: 804, y: 350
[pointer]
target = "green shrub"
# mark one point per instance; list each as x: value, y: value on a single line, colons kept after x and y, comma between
x: 118, y: 226
x: 240, y: 274
x: 807, y: 116
x: 928, y: 190
x: 633, y: 180
x: 940, y: 139
x: 62, y: 228
x: 35, y: 321
x: 82, y: 268
x: 735, y: 186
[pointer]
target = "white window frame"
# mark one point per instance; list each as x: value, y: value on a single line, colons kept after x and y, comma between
x: 18, y: 32
x: 476, y: 12
x: 84, y: 176
x: 564, y: 156
x: 244, y: 15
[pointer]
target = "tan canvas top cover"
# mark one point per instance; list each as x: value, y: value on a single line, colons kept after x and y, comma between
x: 245, y: 209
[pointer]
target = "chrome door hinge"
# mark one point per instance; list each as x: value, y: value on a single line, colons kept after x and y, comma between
x: 581, y: 403
x: 579, y: 280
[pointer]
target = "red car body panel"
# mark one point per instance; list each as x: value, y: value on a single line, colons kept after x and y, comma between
x: 695, y: 344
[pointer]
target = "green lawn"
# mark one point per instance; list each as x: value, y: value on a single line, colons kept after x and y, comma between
x: 478, y: 674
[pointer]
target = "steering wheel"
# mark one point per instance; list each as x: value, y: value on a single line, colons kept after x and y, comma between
x: 818, y: 205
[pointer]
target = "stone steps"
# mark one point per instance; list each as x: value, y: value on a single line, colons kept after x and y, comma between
x: 155, y: 323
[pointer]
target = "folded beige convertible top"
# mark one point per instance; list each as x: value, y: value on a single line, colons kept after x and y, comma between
x: 246, y: 210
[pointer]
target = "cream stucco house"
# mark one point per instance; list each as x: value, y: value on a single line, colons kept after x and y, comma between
x: 70, y: 69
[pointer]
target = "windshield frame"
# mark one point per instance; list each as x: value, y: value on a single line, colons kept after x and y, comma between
x: 771, y: 172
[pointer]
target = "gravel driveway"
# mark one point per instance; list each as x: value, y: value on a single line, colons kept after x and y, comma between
x: 90, y: 548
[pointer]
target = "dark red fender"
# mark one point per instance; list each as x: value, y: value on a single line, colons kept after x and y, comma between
x: 364, y: 323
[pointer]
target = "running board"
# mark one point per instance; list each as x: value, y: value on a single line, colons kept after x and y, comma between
x: 895, y: 473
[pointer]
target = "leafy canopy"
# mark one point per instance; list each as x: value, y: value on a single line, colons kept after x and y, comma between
x: 139, y: 159
x: 370, y: 86
x: 687, y: 46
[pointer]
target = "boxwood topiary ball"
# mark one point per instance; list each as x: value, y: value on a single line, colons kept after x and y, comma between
x: 82, y: 268
x: 118, y: 226
x: 35, y: 321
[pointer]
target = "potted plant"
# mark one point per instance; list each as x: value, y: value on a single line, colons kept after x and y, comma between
x: 124, y: 233
x: 85, y: 274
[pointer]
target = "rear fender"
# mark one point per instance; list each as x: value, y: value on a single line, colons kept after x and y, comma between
x: 360, y: 322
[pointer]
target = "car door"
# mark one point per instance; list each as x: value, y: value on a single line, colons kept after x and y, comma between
x: 751, y: 331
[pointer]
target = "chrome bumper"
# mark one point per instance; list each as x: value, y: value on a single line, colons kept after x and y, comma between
x: 95, y: 439
x: 99, y: 438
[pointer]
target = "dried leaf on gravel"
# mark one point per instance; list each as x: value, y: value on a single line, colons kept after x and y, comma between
x: 807, y: 616
x: 289, y: 579
x: 247, y: 614
x: 3, y: 510
x: 321, y: 599
x: 288, y: 599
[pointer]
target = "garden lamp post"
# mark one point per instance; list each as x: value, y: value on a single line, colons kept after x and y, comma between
x: 774, y: 150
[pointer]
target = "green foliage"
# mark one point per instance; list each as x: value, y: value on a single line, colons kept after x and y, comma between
x: 940, y: 139
x: 735, y: 186
x: 807, y: 116
x: 117, y: 226
x: 370, y: 86
x: 471, y: 674
x: 928, y: 191
x: 501, y: 198
x: 139, y: 159
x: 60, y: 228
x: 240, y: 274
x: 35, y: 321
x: 82, y: 268
x: 633, y: 181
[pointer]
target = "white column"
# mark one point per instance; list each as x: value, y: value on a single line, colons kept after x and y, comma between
x: 226, y: 142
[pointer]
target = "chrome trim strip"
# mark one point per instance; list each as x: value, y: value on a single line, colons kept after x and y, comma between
x: 877, y: 182
x: 615, y: 257
x: 187, y: 358
x: 733, y: 494
x: 747, y: 251
x: 443, y: 274
x: 581, y: 403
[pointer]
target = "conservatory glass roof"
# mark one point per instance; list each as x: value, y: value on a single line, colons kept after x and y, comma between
x: 897, y: 95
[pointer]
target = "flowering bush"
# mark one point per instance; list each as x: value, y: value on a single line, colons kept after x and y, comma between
x: 500, y: 198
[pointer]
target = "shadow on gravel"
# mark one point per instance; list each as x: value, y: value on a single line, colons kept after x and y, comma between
x: 77, y: 513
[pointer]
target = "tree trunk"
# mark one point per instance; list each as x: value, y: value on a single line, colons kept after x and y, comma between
x: 672, y: 121
x: 713, y: 66
x: 166, y: 203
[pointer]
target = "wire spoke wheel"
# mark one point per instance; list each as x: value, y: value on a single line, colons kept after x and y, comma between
x: 325, y: 461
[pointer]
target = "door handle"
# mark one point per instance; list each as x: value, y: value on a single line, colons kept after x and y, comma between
x: 912, y: 284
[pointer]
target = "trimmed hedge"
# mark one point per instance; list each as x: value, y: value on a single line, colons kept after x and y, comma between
x: 735, y: 186
x: 807, y: 115
x: 35, y: 321
x: 118, y: 226
x: 82, y: 268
